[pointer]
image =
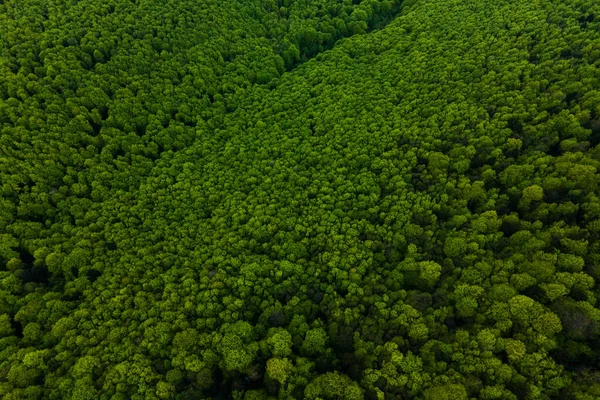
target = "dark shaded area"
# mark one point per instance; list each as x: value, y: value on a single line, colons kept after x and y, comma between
x: 26, y: 257
x: 93, y: 275
x: 17, y: 327
x: 39, y: 274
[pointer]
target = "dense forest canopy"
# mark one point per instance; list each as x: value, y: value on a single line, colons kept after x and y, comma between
x: 320, y: 199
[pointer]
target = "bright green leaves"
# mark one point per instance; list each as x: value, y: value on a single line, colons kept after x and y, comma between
x: 446, y: 392
x: 236, y: 347
x: 522, y: 281
x: 280, y: 343
x: 423, y: 275
x: 235, y: 357
x: 438, y: 162
x: 84, y: 366
x: 523, y: 307
x: 185, y: 340
x: 487, y: 223
x: 429, y: 273
x: 84, y: 389
x: 333, y: 385
x: 398, y: 212
x: 487, y: 339
x: 54, y: 262
x: 288, y: 269
x: 570, y: 262
x: 131, y: 377
x: 279, y: 369
x: 554, y: 290
x: 165, y: 390
x: 22, y: 376
x: 547, y: 324
x: 467, y: 299
x: 530, y: 195
x: 515, y: 349
x: 418, y: 331
x: 455, y: 246
x: 62, y: 326
x: 314, y: 342
x: 32, y: 333
x: 8, y: 245
x: 5, y: 326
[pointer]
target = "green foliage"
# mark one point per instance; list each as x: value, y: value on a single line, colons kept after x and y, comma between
x: 5, y: 326
x: 332, y: 386
x: 315, y: 342
x: 446, y: 392
x: 279, y: 369
x: 299, y: 199
x: 280, y: 343
x: 455, y: 246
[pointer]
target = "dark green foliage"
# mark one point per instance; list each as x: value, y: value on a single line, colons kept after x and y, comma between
x: 299, y: 199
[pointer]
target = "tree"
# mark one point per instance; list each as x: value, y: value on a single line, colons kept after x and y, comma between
x: 333, y: 385
x: 279, y: 369
x: 314, y: 342
x: 455, y: 246
x: 531, y: 194
x: 449, y: 391
x: 5, y: 326
x: 280, y: 343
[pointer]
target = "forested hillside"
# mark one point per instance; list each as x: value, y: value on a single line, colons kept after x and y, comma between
x: 296, y: 199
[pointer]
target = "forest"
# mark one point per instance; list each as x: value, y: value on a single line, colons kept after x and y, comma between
x: 300, y: 199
